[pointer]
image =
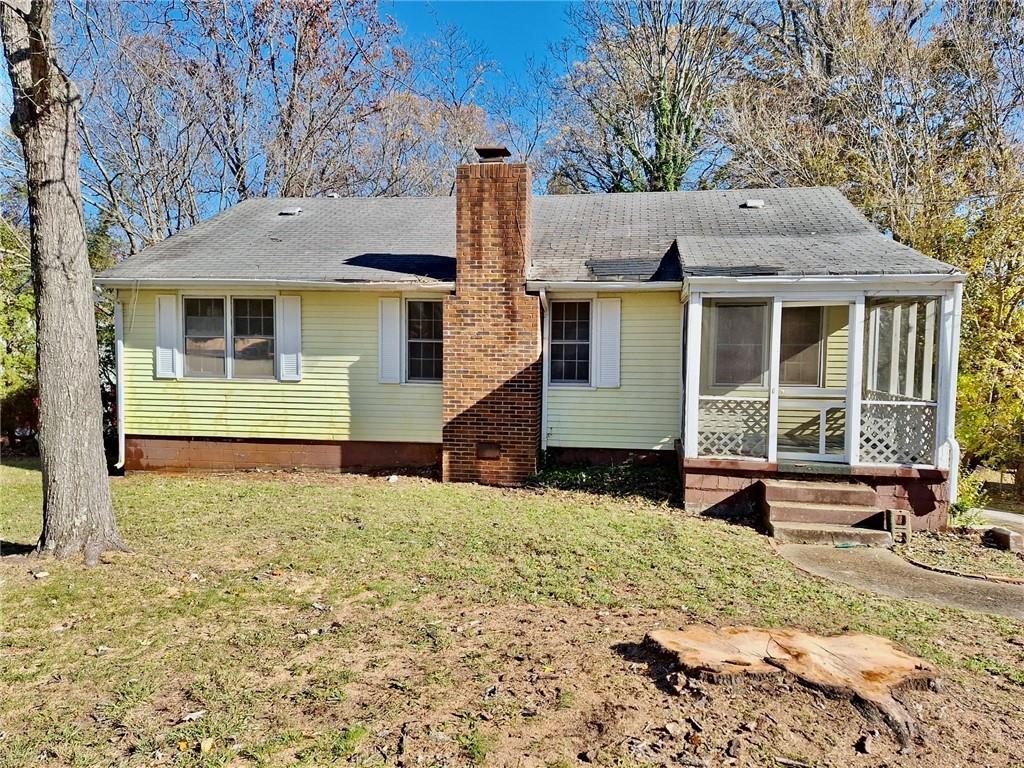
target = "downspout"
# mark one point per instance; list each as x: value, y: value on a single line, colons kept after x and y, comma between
x: 544, y: 370
x: 119, y: 379
x: 954, y: 364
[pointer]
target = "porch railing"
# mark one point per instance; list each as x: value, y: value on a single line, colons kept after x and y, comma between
x: 897, y: 431
x: 732, y: 426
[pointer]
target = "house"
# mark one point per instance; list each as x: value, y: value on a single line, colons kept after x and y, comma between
x: 772, y: 344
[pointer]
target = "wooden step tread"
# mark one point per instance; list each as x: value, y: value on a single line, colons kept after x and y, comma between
x: 828, y: 533
x: 824, y: 507
x: 829, y: 485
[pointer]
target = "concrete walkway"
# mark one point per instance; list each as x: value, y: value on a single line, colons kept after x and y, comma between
x: 1011, y: 520
x: 880, y: 571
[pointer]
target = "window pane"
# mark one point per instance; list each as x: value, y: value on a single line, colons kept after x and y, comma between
x: 739, y: 344
x: 204, y: 337
x: 425, y: 347
x: 253, y: 342
x: 204, y: 356
x: 570, y: 342
x: 425, y: 361
x: 801, y: 346
x: 204, y: 317
x: 254, y: 358
x: 425, y: 320
x: 570, y: 321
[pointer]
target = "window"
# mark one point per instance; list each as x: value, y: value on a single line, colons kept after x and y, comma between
x: 252, y: 344
x: 425, y: 346
x: 204, y: 337
x: 739, y: 355
x: 801, y: 347
x: 570, y: 342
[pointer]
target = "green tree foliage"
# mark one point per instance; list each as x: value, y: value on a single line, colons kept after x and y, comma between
x: 17, y: 321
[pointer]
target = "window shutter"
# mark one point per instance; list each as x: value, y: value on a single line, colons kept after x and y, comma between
x: 289, y: 338
x: 390, y: 341
x: 168, y: 338
x: 607, y: 362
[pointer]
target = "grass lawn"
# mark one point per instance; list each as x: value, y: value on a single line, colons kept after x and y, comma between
x: 315, y: 620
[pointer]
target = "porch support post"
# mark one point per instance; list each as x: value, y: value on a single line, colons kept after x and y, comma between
x: 946, y: 447
x: 774, y: 355
x: 911, y: 368
x: 927, y: 392
x: 692, y: 392
x: 854, y: 379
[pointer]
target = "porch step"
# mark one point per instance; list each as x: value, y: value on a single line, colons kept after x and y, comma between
x: 826, y: 533
x: 835, y: 514
x: 819, y: 492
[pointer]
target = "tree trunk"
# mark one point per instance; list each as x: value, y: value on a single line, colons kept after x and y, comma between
x: 1018, y: 479
x: 78, y: 515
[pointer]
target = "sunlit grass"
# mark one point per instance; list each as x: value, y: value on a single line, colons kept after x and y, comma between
x: 215, y: 610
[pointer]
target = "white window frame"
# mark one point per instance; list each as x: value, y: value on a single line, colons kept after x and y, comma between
x: 404, y: 340
x: 229, y: 347
x: 592, y: 341
x: 822, y: 342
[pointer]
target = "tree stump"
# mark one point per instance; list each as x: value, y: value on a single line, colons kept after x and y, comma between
x: 864, y: 669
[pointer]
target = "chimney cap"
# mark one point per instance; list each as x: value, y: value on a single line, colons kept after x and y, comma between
x: 492, y: 153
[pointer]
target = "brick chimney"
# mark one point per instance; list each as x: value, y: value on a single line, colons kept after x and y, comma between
x: 492, y: 341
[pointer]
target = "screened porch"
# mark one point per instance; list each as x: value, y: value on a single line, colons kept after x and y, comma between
x: 848, y: 378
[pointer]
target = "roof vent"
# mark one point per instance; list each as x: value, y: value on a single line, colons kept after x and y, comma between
x: 295, y: 211
x: 492, y: 154
x: 754, y: 202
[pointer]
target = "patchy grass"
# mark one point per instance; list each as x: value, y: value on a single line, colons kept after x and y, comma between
x: 966, y: 553
x: 312, y: 619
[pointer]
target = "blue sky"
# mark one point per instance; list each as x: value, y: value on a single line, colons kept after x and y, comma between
x: 511, y: 30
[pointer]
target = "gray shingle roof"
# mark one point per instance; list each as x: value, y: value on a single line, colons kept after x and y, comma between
x: 627, y: 237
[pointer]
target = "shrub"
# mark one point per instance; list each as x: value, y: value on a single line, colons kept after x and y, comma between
x: 970, y: 498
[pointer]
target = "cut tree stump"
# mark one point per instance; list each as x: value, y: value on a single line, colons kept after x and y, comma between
x: 864, y: 669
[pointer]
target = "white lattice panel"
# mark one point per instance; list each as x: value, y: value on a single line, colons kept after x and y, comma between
x: 732, y: 428
x: 894, y: 433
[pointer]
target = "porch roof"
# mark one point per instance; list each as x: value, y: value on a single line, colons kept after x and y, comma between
x: 658, y: 235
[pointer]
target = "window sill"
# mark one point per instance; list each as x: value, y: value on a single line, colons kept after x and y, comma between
x: 250, y: 380
x: 425, y: 383
x: 570, y: 385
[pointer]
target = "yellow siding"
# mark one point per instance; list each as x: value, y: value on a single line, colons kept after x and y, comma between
x: 339, y: 397
x: 836, y: 346
x: 644, y: 412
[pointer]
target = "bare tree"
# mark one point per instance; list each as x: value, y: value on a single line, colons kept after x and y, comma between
x: 855, y: 95
x: 641, y: 88
x: 78, y: 514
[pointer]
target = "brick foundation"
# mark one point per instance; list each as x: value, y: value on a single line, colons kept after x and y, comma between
x: 199, y: 454
x: 724, y: 488
x: 492, y: 340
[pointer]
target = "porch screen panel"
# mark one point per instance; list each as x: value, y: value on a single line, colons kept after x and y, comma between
x: 732, y: 418
x: 899, y: 402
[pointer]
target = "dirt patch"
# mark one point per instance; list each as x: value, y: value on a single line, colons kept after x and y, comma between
x: 964, y: 552
x: 554, y: 686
